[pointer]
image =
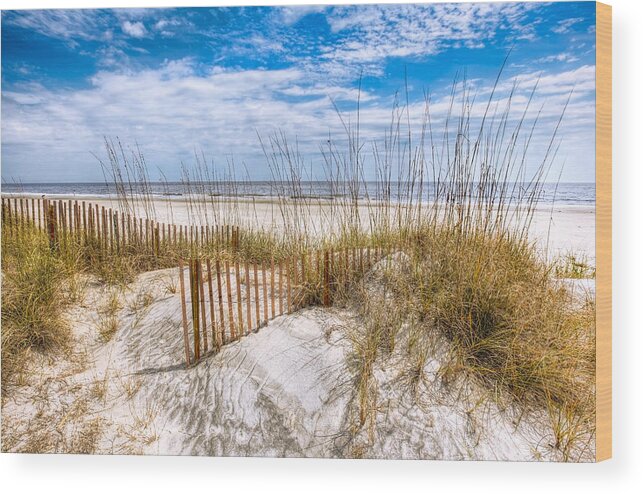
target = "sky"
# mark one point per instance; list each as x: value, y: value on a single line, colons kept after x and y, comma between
x: 211, y: 81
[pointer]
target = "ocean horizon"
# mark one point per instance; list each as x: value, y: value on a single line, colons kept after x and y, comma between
x: 571, y: 193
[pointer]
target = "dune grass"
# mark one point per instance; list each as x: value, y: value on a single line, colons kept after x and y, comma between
x: 36, y: 287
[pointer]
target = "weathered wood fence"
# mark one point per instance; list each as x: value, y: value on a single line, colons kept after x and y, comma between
x: 107, y: 228
x: 226, y: 300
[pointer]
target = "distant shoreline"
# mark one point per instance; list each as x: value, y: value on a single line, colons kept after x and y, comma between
x: 270, y: 191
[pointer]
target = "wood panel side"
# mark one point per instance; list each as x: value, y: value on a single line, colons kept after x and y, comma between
x: 603, y: 231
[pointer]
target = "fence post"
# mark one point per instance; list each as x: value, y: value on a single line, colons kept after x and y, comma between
x: 157, y: 241
x: 194, y: 291
x: 53, y: 241
x: 5, y: 217
x: 265, y: 291
x: 40, y: 222
x: 123, y: 233
x: 110, y: 230
x: 186, y: 341
x: 11, y: 218
x: 248, y: 298
x: 272, y: 287
x: 79, y: 220
x: 233, y: 332
x: 22, y: 216
x: 69, y: 212
x: 105, y: 228
x: 84, y: 208
x: 204, y: 326
x: 326, y: 278
x: 141, y: 239
x: 95, y: 221
x: 257, y: 308
x: 216, y: 341
x: 281, y: 287
x: 288, y: 287
x: 239, y: 304
x: 116, y: 239
x: 220, y: 295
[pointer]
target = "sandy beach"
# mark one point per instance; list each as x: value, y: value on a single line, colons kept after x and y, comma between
x: 557, y: 231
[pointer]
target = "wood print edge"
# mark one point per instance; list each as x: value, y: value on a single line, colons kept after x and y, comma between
x: 603, y: 231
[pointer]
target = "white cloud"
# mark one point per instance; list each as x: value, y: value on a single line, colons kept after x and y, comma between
x: 134, y: 29
x: 69, y: 25
x: 161, y: 24
x: 560, y: 57
x: 566, y: 24
x: 290, y: 15
x: 170, y: 111
x: 371, y: 33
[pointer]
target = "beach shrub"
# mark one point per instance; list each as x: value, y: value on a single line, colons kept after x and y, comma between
x: 510, y: 324
x: 35, y: 291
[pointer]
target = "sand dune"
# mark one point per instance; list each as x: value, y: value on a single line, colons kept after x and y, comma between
x: 287, y: 390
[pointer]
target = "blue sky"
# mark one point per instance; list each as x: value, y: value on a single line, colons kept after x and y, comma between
x: 178, y: 80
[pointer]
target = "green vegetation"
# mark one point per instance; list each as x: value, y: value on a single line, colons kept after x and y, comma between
x: 36, y: 287
x: 574, y: 267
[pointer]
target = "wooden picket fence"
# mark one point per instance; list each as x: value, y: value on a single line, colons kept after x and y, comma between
x: 229, y: 299
x: 107, y: 228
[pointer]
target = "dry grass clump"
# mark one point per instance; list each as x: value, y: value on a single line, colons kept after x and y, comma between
x: 107, y: 327
x: 510, y: 325
x: 574, y: 267
x: 36, y: 288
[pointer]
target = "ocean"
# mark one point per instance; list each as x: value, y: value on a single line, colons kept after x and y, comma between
x: 561, y: 193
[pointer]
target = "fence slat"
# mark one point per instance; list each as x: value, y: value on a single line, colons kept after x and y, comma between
x: 281, y: 284
x: 233, y: 334
x: 194, y: 291
x: 216, y: 340
x: 239, y: 302
x: 204, y: 327
x: 220, y: 295
x: 326, y: 286
x: 256, y: 283
x: 272, y: 287
x: 248, y: 298
x: 265, y: 291
x: 184, y: 316
x: 53, y: 241
x: 288, y: 286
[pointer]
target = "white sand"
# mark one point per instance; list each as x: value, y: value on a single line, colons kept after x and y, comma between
x: 557, y: 231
